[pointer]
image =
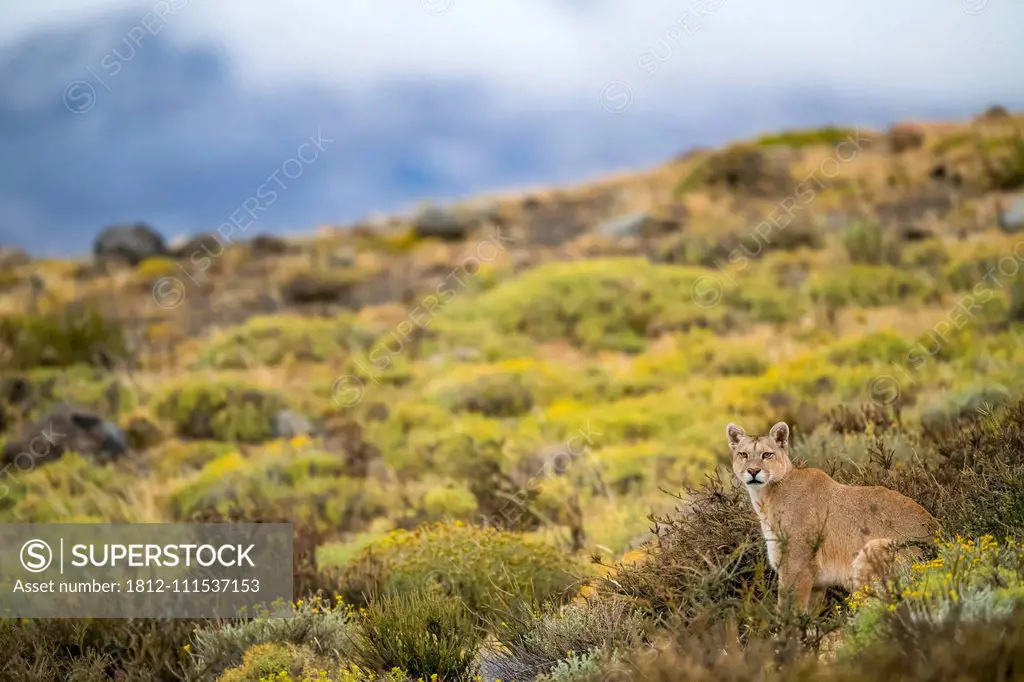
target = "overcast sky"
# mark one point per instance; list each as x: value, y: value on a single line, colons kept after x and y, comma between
x: 177, y: 112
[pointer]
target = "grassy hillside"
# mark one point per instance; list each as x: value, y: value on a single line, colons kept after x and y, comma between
x: 478, y: 413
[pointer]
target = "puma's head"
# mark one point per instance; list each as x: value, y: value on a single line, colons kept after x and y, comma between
x: 759, y: 460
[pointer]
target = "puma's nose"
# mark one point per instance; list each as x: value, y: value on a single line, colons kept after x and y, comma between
x: 753, y: 471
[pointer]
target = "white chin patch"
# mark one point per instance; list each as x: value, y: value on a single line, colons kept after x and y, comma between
x: 755, y: 484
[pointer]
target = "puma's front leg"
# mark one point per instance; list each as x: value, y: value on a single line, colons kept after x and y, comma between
x: 796, y: 581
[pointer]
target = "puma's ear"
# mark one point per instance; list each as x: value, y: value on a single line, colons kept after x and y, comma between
x: 780, y: 434
x: 733, y: 433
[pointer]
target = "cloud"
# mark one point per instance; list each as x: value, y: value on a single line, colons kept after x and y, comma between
x: 562, y: 50
x: 195, y: 103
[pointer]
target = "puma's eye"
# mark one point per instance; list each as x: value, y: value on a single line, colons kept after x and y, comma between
x: 743, y: 455
x: 768, y: 455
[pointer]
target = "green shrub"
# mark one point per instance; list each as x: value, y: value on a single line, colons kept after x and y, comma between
x: 270, y: 661
x: 796, y: 235
x: 716, y: 531
x: 712, y: 655
x: 396, y: 241
x: 421, y: 632
x: 446, y: 449
x: 976, y: 652
x: 274, y: 340
x: 799, y: 139
x: 969, y: 403
x: 971, y: 478
x: 698, y: 249
x: 740, y: 362
x: 929, y: 254
x: 765, y: 302
x: 498, y: 394
x: 93, y: 649
x: 869, y: 243
x: 184, y: 457
x: 576, y: 668
x: 73, y: 489
x: 220, y: 410
x: 613, y: 304
x: 463, y: 340
x: 559, y: 642
x: 483, y: 566
x: 951, y: 142
x: 70, y: 335
x: 966, y: 273
x: 315, y: 625
x: 969, y: 581
x: 312, y: 486
x: 752, y: 246
x: 449, y: 503
x: 867, y: 418
x: 1016, y: 312
x: 141, y: 434
x: 870, y: 286
x: 742, y: 169
x: 876, y: 348
x: 90, y: 388
x: 1003, y: 162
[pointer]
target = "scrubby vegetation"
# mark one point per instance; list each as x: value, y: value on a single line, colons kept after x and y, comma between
x: 69, y: 335
x: 808, y: 138
x: 501, y: 447
x: 220, y: 410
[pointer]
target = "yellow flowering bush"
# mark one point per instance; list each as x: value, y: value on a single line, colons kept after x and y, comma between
x: 272, y: 340
x: 254, y: 648
x: 969, y: 580
x: 311, y: 485
x: 151, y: 269
x: 601, y: 304
x: 422, y: 633
x: 198, y: 408
x: 483, y: 566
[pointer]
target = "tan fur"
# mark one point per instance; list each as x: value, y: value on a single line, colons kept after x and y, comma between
x: 819, y: 532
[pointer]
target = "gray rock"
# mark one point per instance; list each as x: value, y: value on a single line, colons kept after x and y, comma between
x: 1011, y: 218
x: 442, y: 223
x: 62, y: 429
x: 289, y: 424
x: 130, y: 243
